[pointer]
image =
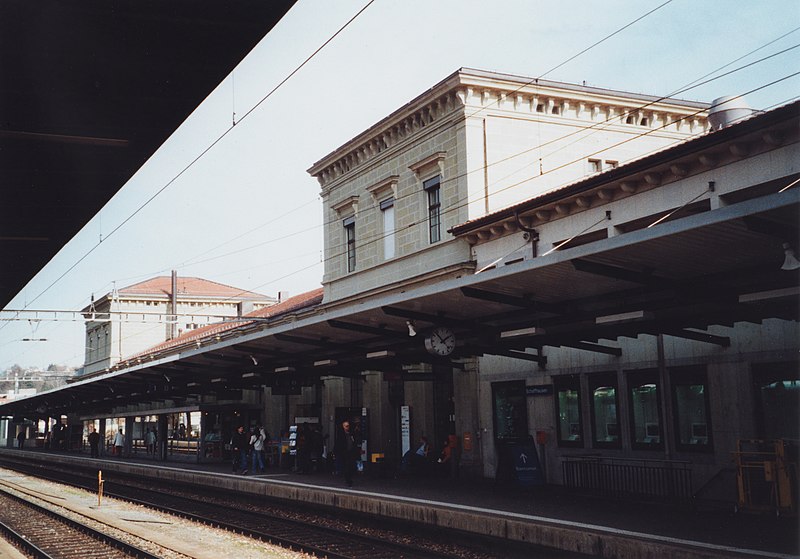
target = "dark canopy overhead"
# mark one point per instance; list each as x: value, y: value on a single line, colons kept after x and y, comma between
x: 88, y: 91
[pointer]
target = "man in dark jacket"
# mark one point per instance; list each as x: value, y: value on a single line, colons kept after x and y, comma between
x: 94, y: 442
x: 239, y: 443
x: 347, y: 451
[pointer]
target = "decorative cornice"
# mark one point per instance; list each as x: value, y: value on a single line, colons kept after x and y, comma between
x: 346, y: 205
x: 380, y: 190
x: 690, y: 158
x: 434, y: 159
x: 505, y: 93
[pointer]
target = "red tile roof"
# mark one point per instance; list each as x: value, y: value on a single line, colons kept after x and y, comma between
x: 187, y: 286
x: 291, y: 305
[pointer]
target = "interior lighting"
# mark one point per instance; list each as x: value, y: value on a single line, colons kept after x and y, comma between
x: 325, y: 363
x: 533, y: 331
x: 770, y: 294
x: 622, y: 317
x: 379, y: 354
x: 412, y: 329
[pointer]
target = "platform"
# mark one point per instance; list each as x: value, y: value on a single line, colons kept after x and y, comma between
x: 547, y: 515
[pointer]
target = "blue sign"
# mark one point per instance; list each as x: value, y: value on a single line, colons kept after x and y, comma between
x: 539, y: 390
x: 527, y: 469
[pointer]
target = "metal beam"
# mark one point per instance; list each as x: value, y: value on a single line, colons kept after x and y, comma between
x: 432, y: 318
x: 513, y: 300
x: 342, y: 325
x: 615, y: 272
x: 723, y: 341
x: 539, y: 359
x: 608, y: 350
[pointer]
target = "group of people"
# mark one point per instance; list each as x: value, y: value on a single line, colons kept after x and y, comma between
x: 249, y: 447
x: 310, y: 448
x: 118, y: 442
x: 421, y: 461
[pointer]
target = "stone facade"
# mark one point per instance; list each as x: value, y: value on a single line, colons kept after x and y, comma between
x: 492, y: 140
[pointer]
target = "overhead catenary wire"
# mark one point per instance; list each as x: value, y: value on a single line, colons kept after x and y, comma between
x: 201, y: 154
x: 450, y: 179
x: 380, y: 237
x: 286, y: 236
x: 593, y: 127
x: 262, y: 100
x: 271, y: 92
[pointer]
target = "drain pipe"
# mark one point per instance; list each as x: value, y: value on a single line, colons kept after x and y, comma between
x: 666, y: 403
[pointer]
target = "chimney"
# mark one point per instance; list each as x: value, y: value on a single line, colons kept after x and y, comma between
x: 172, y: 317
x: 728, y: 110
x: 282, y: 296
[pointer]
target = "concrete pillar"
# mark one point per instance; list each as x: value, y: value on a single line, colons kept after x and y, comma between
x: 102, y: 430
x: 161, y: 438
x: 127, y: 450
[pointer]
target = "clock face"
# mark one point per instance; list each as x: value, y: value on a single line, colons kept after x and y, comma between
x: 440, y: 341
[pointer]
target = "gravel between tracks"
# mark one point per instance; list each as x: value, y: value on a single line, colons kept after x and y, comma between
x: 164, y: 535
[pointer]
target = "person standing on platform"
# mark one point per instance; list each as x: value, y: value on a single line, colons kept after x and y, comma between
x: 346, y: 450
x: 119, y: 443
x: 239, y: 443
x: 94, y: 443
x: 150, y: 441
x: 21, y: 439
x: 265, y: 447
x: 257, y: 446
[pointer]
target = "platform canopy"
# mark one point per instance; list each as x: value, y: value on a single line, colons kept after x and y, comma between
x: 88, y: 92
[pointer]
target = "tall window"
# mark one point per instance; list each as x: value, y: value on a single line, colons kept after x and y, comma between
x: 568, y: 411
x: 350, y: 235
x: 605, y: 422
x: 387, y: 209
x: 431, y: 186
x: 777, y: 391
x: 510, y: 410
x: 690, y: 402
x: 645, y: 405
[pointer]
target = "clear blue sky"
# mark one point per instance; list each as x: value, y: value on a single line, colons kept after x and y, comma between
x: 248, y: 215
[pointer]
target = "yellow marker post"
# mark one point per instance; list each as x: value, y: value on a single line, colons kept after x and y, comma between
x: 99, y: 486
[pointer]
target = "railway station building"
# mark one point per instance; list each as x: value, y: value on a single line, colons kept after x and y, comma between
x: 607, y: 277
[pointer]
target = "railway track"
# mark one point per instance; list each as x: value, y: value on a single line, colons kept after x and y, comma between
x: 315, y: 533
x: 45, y: 533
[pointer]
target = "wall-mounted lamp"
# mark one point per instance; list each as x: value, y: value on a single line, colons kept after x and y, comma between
x: 790, y: 261
x: 197, y: 343
x: 412, y: 330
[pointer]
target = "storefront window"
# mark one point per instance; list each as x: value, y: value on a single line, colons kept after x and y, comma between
x: 568, y: 410
x: 510, y: 410
x: 645, y: 410
x: 692, y: 418
x: 778, y: 399
x: 605, y: 424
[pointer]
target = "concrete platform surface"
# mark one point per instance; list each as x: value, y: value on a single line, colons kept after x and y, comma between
x: 548, y: 515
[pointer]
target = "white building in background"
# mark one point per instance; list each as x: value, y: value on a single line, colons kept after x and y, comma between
x: 129, y: 320
x: 474, y: 143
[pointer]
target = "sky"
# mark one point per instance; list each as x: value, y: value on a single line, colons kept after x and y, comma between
x: 247, y: 214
